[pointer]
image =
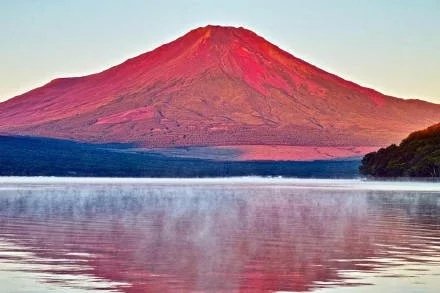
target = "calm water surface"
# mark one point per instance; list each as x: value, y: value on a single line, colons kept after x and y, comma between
x: 224, y: 235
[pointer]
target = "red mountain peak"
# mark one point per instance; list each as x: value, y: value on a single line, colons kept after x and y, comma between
x: 215, y: 86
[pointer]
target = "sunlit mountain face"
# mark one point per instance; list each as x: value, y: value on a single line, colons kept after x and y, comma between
x: 219, y: 86
x: 242, y: 237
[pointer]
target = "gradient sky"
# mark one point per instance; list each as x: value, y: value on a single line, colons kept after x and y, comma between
x: 392, y: 46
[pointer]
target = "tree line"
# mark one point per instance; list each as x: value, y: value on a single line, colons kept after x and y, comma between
x: 418, y: 155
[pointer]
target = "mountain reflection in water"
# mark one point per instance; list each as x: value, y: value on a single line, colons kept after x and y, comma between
x: 217, y: 236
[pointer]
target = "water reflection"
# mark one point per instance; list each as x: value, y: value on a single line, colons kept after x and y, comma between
x: 217, y: 237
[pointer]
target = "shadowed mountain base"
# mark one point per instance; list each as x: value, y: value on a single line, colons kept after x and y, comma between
x: 23, y: 156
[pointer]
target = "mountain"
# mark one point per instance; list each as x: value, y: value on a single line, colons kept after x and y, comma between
x: 417, y: 156
x: 221, y: 87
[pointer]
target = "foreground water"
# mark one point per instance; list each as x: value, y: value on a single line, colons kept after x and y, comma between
x: 218, y: 235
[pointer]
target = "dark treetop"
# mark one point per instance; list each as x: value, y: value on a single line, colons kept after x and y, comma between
x: 418, y: 155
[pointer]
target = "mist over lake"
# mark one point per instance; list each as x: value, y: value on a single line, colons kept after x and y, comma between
x: 218, y: 235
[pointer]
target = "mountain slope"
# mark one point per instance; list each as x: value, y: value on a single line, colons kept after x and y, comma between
x: 215, y: 86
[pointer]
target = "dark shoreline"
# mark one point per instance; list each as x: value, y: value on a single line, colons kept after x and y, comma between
x: 30, y: 156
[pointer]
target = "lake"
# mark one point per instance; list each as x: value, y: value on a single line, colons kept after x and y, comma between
x: 218, y: 235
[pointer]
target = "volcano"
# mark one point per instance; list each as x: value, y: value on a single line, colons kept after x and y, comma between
x: 221, y: 87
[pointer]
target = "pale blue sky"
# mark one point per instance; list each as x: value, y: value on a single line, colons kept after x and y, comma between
x: 390, y: 45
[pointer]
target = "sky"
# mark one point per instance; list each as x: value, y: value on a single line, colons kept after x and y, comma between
x: 392, y: 46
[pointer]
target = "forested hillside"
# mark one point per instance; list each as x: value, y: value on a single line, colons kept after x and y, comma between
x: 417, y: 156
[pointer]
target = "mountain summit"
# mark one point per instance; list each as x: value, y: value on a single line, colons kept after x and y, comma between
x: 215, y: 86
